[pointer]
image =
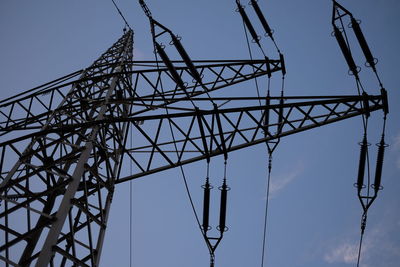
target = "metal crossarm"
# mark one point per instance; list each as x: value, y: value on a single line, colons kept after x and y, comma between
x: 32, y: 110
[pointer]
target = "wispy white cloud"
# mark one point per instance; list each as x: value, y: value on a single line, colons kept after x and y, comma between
x: 347, y: 252
x: 280, y: 181
x: 378, y: 249
x: 344, y: 252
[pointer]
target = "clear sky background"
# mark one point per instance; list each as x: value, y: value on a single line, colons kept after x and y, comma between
x: 314, y: 215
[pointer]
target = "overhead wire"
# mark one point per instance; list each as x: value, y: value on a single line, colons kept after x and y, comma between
x: 270, y: 148
x: 177, y: 153
x: 187, y: 189
x: 211, y: 247
x: 120, y: 13
x: 266, y: 210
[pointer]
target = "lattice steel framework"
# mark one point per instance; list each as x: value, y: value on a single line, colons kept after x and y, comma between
x: 64, y: 143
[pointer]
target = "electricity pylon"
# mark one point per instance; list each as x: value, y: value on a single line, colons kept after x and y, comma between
x: 64, y: 144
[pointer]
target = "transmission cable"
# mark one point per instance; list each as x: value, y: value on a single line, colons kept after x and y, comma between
x: 122, y: 16
x: 170, y: 125
x: 266, y: 209
x: 177, y: 153
x: 270, y: 147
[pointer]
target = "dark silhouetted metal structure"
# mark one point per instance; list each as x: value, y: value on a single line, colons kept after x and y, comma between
x: 63, y: 144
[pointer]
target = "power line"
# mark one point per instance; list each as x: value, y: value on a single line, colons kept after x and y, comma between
x: 120, y: 13
x: 266, y: 210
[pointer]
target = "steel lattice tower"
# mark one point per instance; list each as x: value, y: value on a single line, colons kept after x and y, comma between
x: 64, y: 144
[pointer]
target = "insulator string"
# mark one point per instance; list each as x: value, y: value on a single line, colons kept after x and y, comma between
x: 366, y: 200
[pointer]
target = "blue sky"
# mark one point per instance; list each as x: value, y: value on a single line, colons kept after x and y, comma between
x: 314, y: 213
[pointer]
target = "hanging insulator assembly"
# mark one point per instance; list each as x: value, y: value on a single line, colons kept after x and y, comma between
x: 206, y: 206
x: 346, y: 51
x: 213, y: 241
x: 363, y: 43
x: 379, y: 164
x: 361, y: 165
x: 247, y: 22
x: 170, y: 66
x: 222, y: 212
x: 189, y: 63
x: 262, y: 19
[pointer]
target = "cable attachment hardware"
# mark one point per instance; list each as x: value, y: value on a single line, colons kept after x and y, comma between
x: 270, y: 162
x: 363, y: 222
x: 212, y: 260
